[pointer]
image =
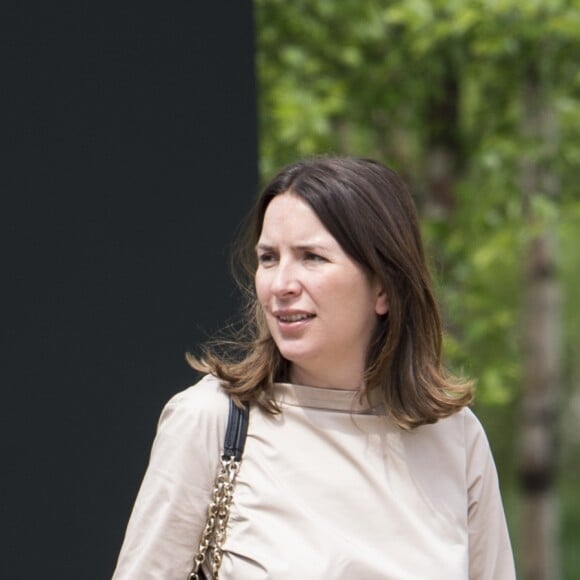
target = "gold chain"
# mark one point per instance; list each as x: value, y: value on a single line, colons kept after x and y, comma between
x: 218, y: 513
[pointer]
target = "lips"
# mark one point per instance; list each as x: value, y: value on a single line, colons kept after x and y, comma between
x: 294, y: 317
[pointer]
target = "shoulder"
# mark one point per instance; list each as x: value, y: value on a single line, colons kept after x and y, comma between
x: 464, y: 422
x: 462, y: 430
x: 478, y: 453
x: 207, y: 396
x: 200, y: 407
x: 475, y: 436
x: 170, y: 510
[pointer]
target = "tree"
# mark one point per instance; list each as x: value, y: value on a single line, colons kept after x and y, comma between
x: 542, y: 337
x: 476, y: 103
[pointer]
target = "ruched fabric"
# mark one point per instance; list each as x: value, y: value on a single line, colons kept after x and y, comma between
x: 329, y: 489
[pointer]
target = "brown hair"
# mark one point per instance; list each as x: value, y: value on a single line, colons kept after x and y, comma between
x: 367, y: 208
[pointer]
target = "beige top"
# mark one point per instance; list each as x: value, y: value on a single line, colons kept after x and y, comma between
x: 327, y: 490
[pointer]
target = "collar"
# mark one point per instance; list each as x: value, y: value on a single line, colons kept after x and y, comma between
x: 329, y: 399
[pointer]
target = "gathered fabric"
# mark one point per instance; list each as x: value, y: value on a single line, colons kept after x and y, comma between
x: 329, y: 488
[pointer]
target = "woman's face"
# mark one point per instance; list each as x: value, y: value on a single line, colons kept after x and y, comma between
x: 320, y: 305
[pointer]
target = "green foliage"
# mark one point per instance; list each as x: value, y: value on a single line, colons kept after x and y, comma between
x: 413, y: 81
x: 366, y: 77
x: 570, y: 528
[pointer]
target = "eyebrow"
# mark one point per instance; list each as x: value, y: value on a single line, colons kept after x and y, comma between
x: 301, y: 247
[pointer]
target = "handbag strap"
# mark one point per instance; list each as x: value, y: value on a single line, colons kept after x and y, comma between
x: 236, y: 431
x: 214, y: 533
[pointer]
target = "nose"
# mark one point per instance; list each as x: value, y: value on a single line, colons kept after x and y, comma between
x: 285, y: 281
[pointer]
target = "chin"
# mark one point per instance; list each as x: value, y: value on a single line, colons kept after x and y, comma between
x: 294, y: 356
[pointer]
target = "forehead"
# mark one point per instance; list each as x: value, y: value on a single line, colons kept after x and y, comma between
x: 288, y: 216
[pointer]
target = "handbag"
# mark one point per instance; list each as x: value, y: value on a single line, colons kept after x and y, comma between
x: 218, y: 512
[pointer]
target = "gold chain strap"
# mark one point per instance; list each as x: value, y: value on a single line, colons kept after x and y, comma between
x: 218, y: 513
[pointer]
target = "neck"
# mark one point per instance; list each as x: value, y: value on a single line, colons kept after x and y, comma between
x: 351, y: 381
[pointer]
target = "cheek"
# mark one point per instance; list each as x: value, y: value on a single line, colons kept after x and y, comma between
x: 361, y: 294
x: 261, y: 287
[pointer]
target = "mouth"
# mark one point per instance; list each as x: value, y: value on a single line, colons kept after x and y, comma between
x: 296, y: 317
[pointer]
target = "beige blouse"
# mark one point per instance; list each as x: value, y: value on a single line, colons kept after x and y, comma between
x: 328, y: 490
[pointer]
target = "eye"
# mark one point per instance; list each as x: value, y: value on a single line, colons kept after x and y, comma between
x: 312, y: 257
x: 266, y: 258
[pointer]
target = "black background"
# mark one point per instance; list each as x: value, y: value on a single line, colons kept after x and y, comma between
x: 129, y: 158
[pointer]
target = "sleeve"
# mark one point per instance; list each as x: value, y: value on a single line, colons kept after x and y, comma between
x: 170, y: 510
x: 490, y: 552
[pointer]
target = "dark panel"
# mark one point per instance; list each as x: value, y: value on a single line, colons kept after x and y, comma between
x: 129, y: 157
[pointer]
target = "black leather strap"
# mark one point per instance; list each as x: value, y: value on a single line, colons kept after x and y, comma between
x: 234, y: 441
x: 236, y: 431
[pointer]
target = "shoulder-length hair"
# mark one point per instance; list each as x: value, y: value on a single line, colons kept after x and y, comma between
x: 369, y: 211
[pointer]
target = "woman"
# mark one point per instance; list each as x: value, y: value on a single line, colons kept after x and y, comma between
x: 362, y: 459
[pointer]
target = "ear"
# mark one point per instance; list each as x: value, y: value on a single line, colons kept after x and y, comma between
x: 382, y: 302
